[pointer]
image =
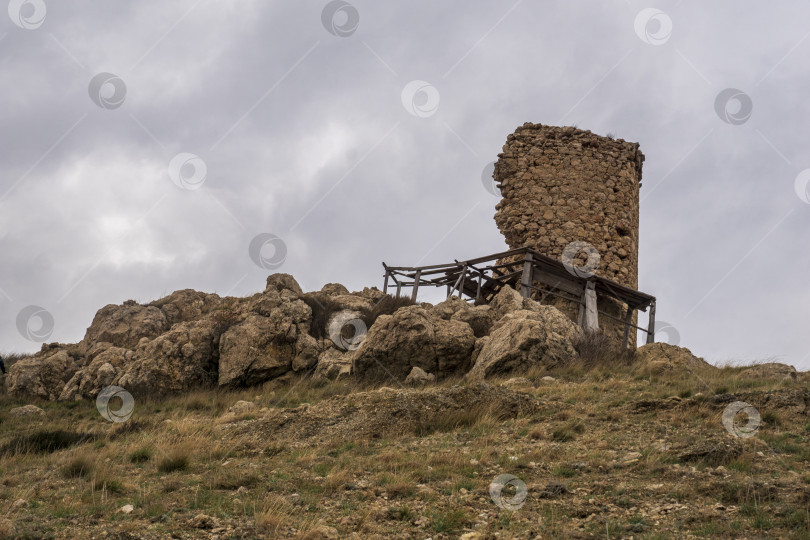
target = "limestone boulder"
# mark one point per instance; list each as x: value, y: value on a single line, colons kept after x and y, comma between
x: 43, y: 375
x: 413, y: 337
x: 334, y: 289
x: 125, y: 325
x: 280, y: 282
x: 523, y: 339
x: 105, y: 367
x: 186, y: 305
x: 480, y: 319
x: 181, y: 359
x: 333, y: 364
x: 770, y: 370
x: 256, y: 350
x: 663, y: 359
x: 418, y: 377
x: 372, y: 294
x: 446, y: 309
x: 25, y: 410
x: 506, y: 301
x: 307, y: 350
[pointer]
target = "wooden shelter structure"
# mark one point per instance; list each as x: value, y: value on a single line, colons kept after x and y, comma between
x: 526, y: 270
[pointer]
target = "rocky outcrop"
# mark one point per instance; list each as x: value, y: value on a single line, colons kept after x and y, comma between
x: 25, y: 410
x: 190, y: 339
x: 770, y: 370
x: 125, y: 325
x: 272, y: 340
x: 663, y: 358
x: 524, y: 339
x: 333, y: 364
x: 413, y: 337
x: 183, y: 358
x: 186, y: 305
x: 105, y: 367
x: 42, y: 375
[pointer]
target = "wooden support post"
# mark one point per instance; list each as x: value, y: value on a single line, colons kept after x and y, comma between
x: 478, y: 291
x: 399, y: 288
x: 526, y: 278
x: 416, y: 279
x: 385, y: 283
x: 591, y: 311
x: 651, y: 325
x: 581, y: 317
x: 628, y: 318
x: 461, y: 283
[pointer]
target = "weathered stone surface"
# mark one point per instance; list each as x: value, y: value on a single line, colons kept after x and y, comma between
x: 125, y: 325
x: 480, y: 319
x: 333, y: 364
x: 307, y: 350
x: 418, y: 377
x: 183, y: 358
x: 662, y: 358
x: 562, y: 185
x: 372, y: 294
x: 42, y: 375
x: 186, y: 305
x: 445, y: 310
x: 506, y: 301
x: 280, y: 282
x: 256, y: 350
x: 523, y: 339
x: 25, y: 410
x: 100, y: 373
x: 771, y: 370
x: 334, y: 289
x: 413, y: 336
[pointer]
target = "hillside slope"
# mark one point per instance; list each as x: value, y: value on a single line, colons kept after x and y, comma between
x: 636, y: 450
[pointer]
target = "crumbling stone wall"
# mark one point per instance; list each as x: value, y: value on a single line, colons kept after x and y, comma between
x: 562, y: 185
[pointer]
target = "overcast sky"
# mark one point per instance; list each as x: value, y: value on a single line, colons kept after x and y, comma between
x: 144, y: 145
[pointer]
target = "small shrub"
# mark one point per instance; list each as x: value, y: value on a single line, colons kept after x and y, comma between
x: 568, y: 431
x: 177, y: 460
x: 78, y: 466
x: 448, y: 521
x: 323, y: 307
x: 597, y: 349
x: 141, y: 455
x: 451, y: 420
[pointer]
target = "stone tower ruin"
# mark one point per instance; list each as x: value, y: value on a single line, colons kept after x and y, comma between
x: 564, y: 188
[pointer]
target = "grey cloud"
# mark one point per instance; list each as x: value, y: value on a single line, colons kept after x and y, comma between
x: 285, y: 115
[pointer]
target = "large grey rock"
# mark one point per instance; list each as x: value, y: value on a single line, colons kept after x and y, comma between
x: 100, y: 373
x: 663, y: 358
x: 413, y: 336
x: 255, y: 351
x: 770, y: 370
x: 181, y: 359
x: 125, y: 325
x: 333, y: 364
x: 480, y: 319
x: 522, y: 339
x: 279, y: 282
x: 43, y: 375
x: 186, y: 305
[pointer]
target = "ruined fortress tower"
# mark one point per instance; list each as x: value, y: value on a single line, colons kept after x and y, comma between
x: 562, y: 185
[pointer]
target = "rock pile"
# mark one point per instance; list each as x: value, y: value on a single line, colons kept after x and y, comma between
x: 191, y: 339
